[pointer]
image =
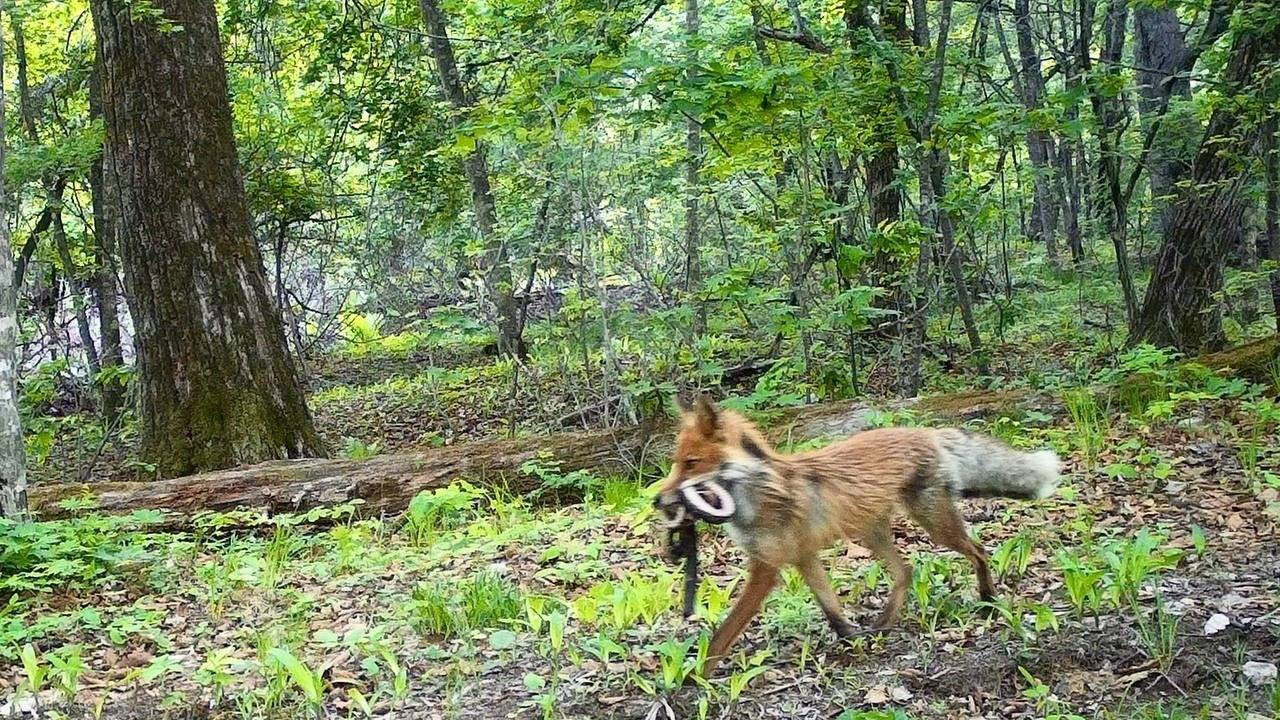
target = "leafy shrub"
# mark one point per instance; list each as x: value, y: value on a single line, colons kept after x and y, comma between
x: 1089, y: 423
x: 446, y: 609
x: 78, y: 553
x: 547, y: 470
x: 357, y: 449
x: 431, y: 511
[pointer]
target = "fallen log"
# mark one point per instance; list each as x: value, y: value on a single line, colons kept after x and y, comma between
x: 1258, y: 360
x: 386, y: 483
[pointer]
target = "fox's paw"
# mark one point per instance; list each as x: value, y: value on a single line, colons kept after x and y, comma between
x: 854, y: 633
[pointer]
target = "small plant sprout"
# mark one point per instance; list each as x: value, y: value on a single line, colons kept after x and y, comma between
x: 216, y: 672
x: 1199, y: 541
x: 1013, y: 556
x: 675, y: 662
x: 1088, y: 422
x: 358, y: 701
x: 399, y: 674
x: 1158, y: 632
x: 67, y: 665
x: 35, y: 673
x: 745, y: 671
x: 1083, y: 582
x: 309, y: 682
x: 1036, y: 691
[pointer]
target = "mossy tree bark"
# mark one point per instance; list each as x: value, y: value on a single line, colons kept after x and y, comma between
x: 1180, y: 308
x: 1161, y: 51
x: 217, y: 386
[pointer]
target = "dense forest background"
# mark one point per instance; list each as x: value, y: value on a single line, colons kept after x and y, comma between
x: 468, y: 252
x: 616, y: 200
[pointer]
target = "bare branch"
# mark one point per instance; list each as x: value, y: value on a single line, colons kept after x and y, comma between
x: 806, y: 39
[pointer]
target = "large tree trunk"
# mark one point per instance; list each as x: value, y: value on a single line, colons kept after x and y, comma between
x: 105, y: 274
x: 1269, y: 239
x: 13, y: 465
x: 1179, y: 308
x: 217, y: 386
x: 1044, y: 209
x: 495, y: 268
x: 693, y: 185
x: 1110, y: 113
x: 884, y: 199
x: 882, y: 167
x: 1160, y: 51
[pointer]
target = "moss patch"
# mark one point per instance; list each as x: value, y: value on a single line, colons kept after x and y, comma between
x: 1255, y: 360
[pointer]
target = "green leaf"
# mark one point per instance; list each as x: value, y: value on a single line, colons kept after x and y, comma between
x: 502, y: 640
x: 301, y: 675
x: 534, y: 682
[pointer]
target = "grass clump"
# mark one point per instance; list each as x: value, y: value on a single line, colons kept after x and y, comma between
x: 447, y: 609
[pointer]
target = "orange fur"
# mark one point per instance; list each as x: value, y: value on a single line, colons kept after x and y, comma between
x: 790, y: 507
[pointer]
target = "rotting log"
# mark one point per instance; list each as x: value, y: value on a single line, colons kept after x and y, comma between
x: 386, y: 483
x: 1258, y: 360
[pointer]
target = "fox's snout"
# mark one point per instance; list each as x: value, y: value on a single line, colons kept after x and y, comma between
x: 704, y: 499
x: 671, y: 506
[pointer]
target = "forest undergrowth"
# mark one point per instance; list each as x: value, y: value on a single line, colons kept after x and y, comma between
x: 1147, y: 587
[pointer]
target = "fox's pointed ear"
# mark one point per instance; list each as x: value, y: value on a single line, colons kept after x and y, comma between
x: 708, y: 416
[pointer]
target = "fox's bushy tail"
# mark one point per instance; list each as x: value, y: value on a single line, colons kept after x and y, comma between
x: 977, y: 466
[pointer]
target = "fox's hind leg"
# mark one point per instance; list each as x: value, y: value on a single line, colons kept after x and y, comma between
x: 815, y: 576
x: 879, y: 540
x: 934, y: 509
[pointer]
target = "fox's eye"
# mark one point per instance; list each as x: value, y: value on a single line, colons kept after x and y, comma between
x: 690, y: 462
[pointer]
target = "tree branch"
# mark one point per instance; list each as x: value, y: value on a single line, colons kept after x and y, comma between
x: 804, y: 39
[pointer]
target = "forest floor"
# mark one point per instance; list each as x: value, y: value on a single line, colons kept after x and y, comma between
x: 1148, y: 587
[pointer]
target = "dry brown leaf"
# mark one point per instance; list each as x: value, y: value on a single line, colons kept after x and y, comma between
x: 876, y: 695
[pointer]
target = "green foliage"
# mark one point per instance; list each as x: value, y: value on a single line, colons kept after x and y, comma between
x: 621, y: 494
x: 446, y: 609
x: 1158, y: 632
x: 1013, y: 556
x: 433, y: 510
x: 353, y: 162
x: 308, y: 681
x: 1133, y: 561
x: 547, y: 470
x: 357, y: 449
x: 80, y: 553
x: 1083, y: 582
x: 1088, y: 422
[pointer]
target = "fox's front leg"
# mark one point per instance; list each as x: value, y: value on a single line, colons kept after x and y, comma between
x: 760, y: 581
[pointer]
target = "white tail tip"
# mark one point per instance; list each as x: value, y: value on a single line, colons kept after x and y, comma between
x: 1046, y: 465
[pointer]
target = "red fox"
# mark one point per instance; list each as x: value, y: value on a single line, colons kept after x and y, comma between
x: 784, y: 509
